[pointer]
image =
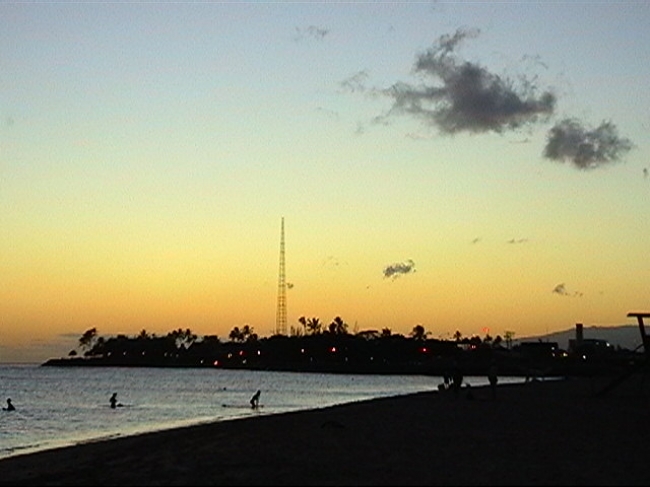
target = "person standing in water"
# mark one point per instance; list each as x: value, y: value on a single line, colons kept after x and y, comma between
x: 10, y: 407
x: 255, y: 400
x: 113, y: 400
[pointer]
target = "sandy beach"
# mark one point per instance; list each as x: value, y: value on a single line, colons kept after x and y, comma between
x: 539, y: 433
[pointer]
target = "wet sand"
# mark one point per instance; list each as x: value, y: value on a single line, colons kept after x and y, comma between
x: 539, y: 433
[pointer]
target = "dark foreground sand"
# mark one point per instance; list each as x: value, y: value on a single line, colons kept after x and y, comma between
x: 541, y: 433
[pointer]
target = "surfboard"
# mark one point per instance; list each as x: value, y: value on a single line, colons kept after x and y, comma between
x: 241, y: 406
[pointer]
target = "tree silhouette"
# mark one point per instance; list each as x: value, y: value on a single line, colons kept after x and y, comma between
x: 236, y: 335
x: 419, y: 333
x: 303, y: 321
x: 87, y: 340
x: 182, y: 338
x: 338, y: 327
x: 245, y: 334
x: 249, y: 334
x: 144, y: 335
x: 314, y: 326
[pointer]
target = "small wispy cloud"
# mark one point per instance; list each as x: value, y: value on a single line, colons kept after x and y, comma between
x: 586, y: 148
x: 399, y: 269
x: 312, y: 32
x: 332, y: 262
x: 327, y: 113
x: 562, y: 291
x: 355, y: 83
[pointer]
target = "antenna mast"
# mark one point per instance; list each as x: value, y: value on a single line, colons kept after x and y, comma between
x: 281, y: 313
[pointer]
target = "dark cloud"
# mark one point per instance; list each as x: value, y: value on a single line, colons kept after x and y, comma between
x: 586, y: 149
x: 466, y: 97
x: 401, y: 268
x: 562, y: 291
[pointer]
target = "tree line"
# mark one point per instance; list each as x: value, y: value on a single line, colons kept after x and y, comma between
x: 316, y: 347
x: 310, y: 346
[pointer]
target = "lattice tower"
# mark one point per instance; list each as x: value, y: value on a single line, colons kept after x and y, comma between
x: 281, y: 313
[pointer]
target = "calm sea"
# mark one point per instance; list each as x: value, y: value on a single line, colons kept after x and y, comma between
x: 57, y: 406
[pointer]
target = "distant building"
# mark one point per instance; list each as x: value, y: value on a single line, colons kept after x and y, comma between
x: 588, y: 347
x: 538, y: 350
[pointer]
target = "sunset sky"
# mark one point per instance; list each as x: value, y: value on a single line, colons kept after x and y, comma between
x: 465, y: 166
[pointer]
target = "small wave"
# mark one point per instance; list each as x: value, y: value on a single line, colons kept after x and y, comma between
x: 95, y: 439
x: 17, y: 450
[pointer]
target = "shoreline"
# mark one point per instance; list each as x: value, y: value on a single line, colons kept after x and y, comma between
x: 538, y: 433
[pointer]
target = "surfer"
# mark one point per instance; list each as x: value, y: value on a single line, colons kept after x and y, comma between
x: 113, y: 401
x: 255, y: 400
x: 10, y: 407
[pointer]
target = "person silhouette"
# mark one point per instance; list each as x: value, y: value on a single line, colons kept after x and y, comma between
x: 113, y: 400
x: 456, y: 378
x: 255, y: 400
x: 10, y: 406
x: 493, y: 378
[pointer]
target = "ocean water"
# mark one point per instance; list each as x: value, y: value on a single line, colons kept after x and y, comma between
x: 58, y: 406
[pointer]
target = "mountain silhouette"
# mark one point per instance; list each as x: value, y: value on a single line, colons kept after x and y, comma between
x: 624, y: 336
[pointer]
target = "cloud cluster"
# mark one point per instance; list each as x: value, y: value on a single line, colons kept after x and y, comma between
x: 398, y: 269
x: 466, y: 97
x: 456, y: 96
x: 586, y: 149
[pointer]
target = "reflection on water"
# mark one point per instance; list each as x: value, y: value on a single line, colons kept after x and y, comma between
x: 60, y: 406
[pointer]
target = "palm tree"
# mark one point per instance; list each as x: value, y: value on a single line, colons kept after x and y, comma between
x: 303, y: 321
x: 314, y: 326
x: 144, y: 335
x: 338, y: 327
